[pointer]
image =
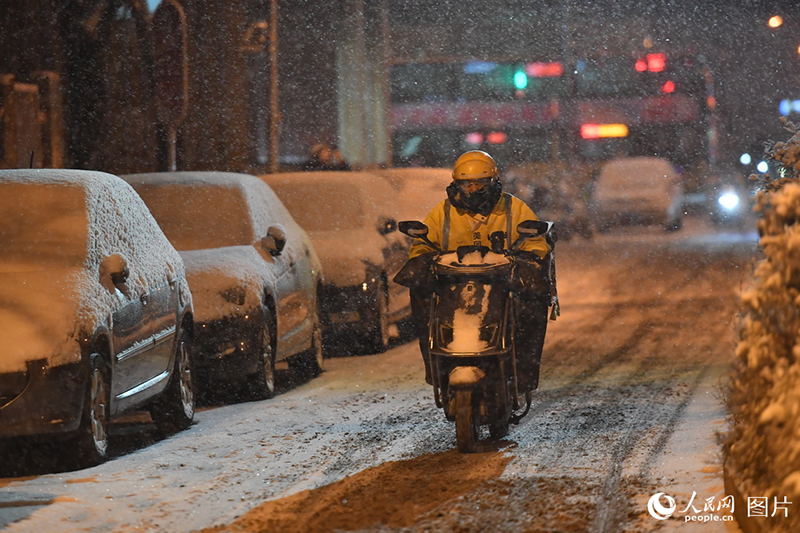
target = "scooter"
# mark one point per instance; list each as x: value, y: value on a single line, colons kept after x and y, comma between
x: 471, y: 330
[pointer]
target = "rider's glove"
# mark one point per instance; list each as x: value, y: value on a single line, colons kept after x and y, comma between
x: 417, y: 273
x: 530, y: 257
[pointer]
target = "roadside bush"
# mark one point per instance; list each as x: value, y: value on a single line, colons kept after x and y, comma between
x: 763, y: 445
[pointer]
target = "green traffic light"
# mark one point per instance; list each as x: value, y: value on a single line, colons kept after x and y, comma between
x: 520, y: 80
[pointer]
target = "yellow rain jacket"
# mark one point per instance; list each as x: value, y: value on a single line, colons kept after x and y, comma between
x: 450, y: 227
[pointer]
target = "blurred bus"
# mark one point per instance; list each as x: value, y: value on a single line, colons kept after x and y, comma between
x: 439, y: 109
x: 553, y: 116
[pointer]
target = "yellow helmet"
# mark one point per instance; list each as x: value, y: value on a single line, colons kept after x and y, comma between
x: 474, y: 165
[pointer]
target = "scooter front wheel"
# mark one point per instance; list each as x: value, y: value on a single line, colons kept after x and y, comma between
x: 466, y: 422
x: 499, y: 428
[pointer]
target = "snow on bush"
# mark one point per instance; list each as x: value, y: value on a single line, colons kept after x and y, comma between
x: 763, y: 446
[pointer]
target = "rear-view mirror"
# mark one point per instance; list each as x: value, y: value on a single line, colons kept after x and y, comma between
x: 533, y: 228
x: 413, y: 228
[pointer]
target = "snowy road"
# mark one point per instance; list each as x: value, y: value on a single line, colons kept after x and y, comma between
x: 628, y: 407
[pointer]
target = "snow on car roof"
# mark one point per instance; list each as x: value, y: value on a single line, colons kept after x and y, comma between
x: 333, y: 201
x: 238, y: 211
x: 115, y: 202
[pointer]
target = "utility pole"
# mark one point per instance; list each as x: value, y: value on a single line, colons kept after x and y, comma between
x: 274, y: 111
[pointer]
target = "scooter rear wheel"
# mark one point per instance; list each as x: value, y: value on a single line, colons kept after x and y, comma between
x: 466, y: 422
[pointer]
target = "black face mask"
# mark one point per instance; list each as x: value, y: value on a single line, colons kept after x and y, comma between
x: 481, y: 202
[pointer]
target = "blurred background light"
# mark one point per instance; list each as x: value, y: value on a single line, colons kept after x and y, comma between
x: 474, y: 137
x: 496, y: 137
x: 597, y: 131
x: 729, y: 200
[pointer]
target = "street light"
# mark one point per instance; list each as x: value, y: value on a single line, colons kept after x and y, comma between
x: 775, y: 21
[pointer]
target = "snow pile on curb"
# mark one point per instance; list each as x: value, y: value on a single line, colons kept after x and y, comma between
x: 763, y: 445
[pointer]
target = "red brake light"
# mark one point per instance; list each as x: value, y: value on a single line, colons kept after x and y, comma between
x: 656, y: 62
x: 496, y: 137
x: 668, y: 87
x: 544, y: 70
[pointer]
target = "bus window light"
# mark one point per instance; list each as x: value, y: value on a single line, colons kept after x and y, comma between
x: 479, y: 67
x: 598, y: 131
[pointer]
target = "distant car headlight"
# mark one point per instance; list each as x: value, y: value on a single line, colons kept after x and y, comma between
x: 729, y: 200
x: 235, y: 295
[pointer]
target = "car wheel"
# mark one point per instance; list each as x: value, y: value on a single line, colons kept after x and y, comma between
x: 310, y: 363
x: 378, y: 336
x: 262, y: 383
x: 174, y: 410
x: 90, y: 443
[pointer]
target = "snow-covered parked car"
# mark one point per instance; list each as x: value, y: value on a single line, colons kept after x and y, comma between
x: 95, y: 311
x: 637, y: 190
x: 417, y: 189
x: 349, y: 218
x: 555, y: 191
x: 253, y: 272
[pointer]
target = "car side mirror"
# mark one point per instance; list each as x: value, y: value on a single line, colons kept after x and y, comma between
x: 386, y: 225
x: 275, y: 241
x: 114, y: 273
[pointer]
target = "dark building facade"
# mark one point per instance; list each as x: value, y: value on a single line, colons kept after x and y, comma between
x: 96, y: 59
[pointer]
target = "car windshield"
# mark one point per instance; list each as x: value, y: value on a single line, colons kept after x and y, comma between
x: 44, y: 225
x: 331, y: 206
x: 197, y: 217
